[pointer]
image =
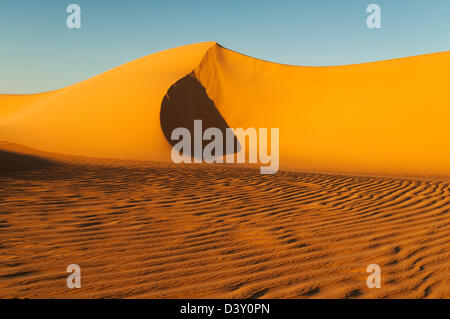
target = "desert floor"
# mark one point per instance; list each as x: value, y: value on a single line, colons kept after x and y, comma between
x: 151, y: 230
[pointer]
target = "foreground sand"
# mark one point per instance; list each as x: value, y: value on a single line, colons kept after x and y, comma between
x: 142, y: 229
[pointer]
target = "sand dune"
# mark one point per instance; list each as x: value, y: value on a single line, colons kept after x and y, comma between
x: 86, y: 178
x: 388, y: 117
x: 115, y: 114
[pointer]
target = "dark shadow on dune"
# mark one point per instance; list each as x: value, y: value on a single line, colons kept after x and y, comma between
x: 186, y: 101
x: 11, y: 162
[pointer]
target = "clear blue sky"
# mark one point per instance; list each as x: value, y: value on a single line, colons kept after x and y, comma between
x: 39, y: 53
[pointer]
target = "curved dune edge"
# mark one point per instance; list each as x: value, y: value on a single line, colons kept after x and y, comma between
x: 112, y: 115
x: 381, y: 118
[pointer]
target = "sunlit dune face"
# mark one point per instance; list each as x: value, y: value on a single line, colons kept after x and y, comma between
x: 383, y: 118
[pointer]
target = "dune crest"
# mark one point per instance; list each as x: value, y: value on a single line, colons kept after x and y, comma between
x: 114, y: 114
x: 387, y: 117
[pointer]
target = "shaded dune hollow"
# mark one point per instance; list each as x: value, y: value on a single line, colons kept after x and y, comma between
x: 185, y: 102
x: 14, y: 162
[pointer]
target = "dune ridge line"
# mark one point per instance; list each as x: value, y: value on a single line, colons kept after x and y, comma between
x: 383, y: 118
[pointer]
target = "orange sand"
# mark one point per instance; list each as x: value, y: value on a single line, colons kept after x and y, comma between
x: 388, y: 117
x: 155, y: 230
x: 140, y: 226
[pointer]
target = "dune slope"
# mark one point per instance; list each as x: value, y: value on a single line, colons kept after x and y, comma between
x: 115, y: 114
x: 389, y: 117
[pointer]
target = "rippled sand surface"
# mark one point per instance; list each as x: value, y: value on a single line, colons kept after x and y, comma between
x: 153, y: 230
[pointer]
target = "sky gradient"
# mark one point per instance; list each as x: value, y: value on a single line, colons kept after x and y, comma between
x: 39, y: 53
